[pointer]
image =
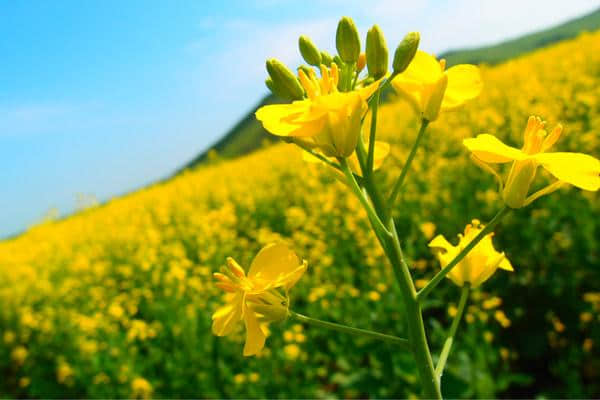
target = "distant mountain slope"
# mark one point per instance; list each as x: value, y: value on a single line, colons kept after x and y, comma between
x: 248, y: 134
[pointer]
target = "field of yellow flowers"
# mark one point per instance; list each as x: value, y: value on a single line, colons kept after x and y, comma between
x: 116, y: 300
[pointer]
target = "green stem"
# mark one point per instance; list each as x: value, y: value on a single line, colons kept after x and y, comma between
x: 350, y: 330
x: 319, y: 156
x: 414, y: 317
x: 371, y: 154
x: 373, y: 217
x: 464, y: 295
x: 440, y: 275
x: 411, y: 155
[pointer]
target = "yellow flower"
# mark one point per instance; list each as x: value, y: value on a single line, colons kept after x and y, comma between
x: 257, y: 297
x: 478, y: 265
x: 580, y: 170
x: 141, y: 388
x: 327, y: 119
x: 430, y: 89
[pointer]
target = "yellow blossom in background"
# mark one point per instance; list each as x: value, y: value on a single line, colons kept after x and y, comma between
x: 329, y: 120
x: 141, y: 388
x: 255, y: 297
x: 430, y: 88
x: 580, y: 170
x: 19, y: 354
x: 428, y: 229
x: 478, y: 265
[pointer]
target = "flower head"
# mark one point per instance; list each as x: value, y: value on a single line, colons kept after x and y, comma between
x: 580, y: 170
x: 430, y: 88
x: 478, y: 265
x: 259, y: 296
x: 327, y: 119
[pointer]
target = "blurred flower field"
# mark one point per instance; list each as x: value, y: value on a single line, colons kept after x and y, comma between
x: 116, y: 300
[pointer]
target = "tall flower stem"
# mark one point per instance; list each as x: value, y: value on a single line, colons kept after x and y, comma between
x: 416, y: 329
x: 464, y: 295
x: 350, y: 330
x: 444, y: 271
x: 411, y: 155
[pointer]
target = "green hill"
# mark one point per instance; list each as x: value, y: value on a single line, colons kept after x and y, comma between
x: 248, y: 134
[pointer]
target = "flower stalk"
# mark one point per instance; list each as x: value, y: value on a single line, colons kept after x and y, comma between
x: 464, y: 296
x: 350, y: 330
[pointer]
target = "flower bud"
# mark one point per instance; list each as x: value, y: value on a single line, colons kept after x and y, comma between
x: 377, y: 53
x: 338, y: 61
x: 406, y: 51
x: 347, y: 41
x: 326, y: 58
x: 284, y: 80
x: 434, y: 103
x: 309, y: 51
x: 362, y: 62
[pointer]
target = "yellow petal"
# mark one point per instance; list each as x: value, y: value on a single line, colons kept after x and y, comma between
x: 274, y: 265
x: 506, y: 265
x: 293, y: 119
x: 490, y: 149
x: 368, y: 91
x: 440, y: 242
x: 382, y: 150
x: 464, y: 83
x: 423, y: 69
x: 255, y: 337
x: 580, y: 170
x: 226, y: 317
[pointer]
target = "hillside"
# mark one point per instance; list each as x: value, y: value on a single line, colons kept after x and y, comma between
x: 248, y: 134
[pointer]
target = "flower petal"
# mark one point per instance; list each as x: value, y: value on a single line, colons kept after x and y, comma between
x: 226, y: 317
x: 464, y: 83
x: 490, y: 149
x: 275, y: 265
x: 423, y: 69
x: 281, y: 119
x: 580, y: 170
x: 255, y: 337
x: 382, y: 150
x: 440, y: 242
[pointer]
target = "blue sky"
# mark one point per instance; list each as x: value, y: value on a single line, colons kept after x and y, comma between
x: 104, y: 97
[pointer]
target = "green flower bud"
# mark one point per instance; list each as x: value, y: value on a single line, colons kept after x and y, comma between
x: 309, y: 51
x: 284, y: 80
x: 406, y: 51
x: 338, y: 61
x: 326, y: 58
x: 275, y: 89
x: 377, y: 53
x: 347, y: 41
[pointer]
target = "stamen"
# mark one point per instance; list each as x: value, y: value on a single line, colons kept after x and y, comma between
x: 324, y: 82
x: 307, y: 84
x: 235, y: 268
x: 552, y: 138
x: 335, y: 75
x: 443, y: 64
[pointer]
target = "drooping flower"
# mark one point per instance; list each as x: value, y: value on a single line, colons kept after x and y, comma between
x: 478, y: 265
x: 430, y: 88
x: 328, y: 119
x: 261, y: 296
x: 577, y: 169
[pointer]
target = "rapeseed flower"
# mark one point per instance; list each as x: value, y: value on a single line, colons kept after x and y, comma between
x: 478, y: 265
x: 580, y: 170
x: 380, y: 153
x: 256, y: 297
x: 328, y: 119
x: 430, y: 88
